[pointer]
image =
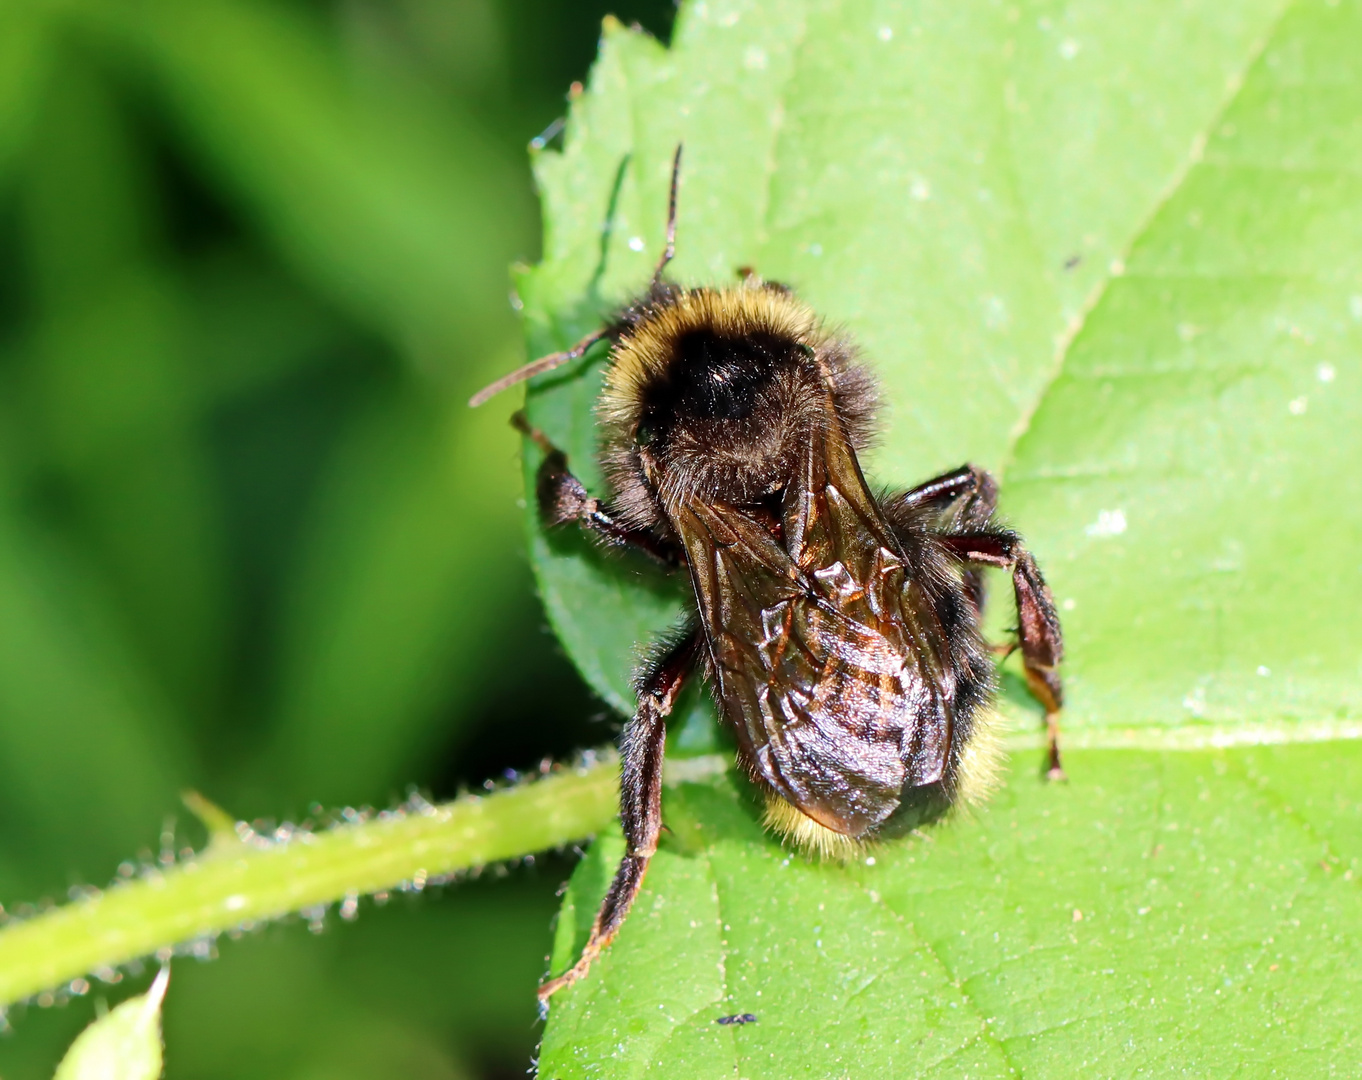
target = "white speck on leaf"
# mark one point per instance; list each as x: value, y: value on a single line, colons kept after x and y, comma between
x: 1108, y: 523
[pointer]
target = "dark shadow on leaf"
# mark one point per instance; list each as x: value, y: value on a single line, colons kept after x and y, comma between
x: 636, y: 569
x: 728, y: 807
x: 608, y: 229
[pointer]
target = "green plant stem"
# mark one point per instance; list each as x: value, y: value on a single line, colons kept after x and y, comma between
x: 241, y: 879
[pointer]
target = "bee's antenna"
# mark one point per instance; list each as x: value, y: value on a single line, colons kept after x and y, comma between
x: 669, y: 251
x: 538, y: 367
x: 553, y: 360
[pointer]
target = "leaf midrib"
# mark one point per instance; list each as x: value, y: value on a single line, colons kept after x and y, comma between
x: 1194, y: 157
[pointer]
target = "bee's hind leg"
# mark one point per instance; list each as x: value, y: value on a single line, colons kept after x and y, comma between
x: 957, y: 509
x: 563, y: 498
x: 641, y: 752
x: 1040, y: 637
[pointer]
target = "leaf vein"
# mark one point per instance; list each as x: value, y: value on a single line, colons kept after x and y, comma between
x: 1075, y: 325
x: 985, y: 1035
x: 777, y: 131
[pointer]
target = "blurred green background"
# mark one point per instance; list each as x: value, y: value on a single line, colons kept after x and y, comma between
x: 253, y: 258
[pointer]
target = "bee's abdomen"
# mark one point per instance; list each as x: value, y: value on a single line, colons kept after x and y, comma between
x: 831, y: 714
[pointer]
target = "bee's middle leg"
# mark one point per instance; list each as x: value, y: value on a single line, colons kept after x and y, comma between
x: 973, y: 488
x: 1041, y: 640
x: 641, y: 752
x: 971, y: 492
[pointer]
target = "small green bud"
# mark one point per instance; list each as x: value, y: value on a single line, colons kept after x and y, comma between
x: 124, y: 1045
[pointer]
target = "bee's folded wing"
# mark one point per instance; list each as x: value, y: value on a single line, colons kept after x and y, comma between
x: 821, y: 648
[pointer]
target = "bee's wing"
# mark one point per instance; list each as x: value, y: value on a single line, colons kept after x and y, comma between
x: 823, y: 645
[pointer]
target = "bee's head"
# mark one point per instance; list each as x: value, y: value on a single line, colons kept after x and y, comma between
x: 715, y: 393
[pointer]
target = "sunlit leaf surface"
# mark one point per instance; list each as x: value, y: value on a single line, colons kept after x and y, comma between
x: 1112, y: 252
x: 1193, y: 911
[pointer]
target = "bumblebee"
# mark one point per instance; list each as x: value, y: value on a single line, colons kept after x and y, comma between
x: 839, y: 629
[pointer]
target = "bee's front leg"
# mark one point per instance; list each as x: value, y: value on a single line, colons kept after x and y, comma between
x: 641, y: 753
x: 563, y: 498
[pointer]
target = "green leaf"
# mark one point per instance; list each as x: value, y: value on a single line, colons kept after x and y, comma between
x: 1163, y: 912
x: 1112, y: 253
x: 949, y: 256
x: 1211, y: 400
x: 124, y: 1045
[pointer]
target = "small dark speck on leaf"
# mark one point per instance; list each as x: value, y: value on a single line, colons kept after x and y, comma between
x: 1072, y: 261
x: 737, y: 1018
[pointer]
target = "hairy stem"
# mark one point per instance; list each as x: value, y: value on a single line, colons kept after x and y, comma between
x: 242, y: 878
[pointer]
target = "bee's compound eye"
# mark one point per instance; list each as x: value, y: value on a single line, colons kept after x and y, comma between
x: 645, y: 433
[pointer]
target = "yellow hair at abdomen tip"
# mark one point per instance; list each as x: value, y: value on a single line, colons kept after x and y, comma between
x: 800, y: 829
x: 980, y: 770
